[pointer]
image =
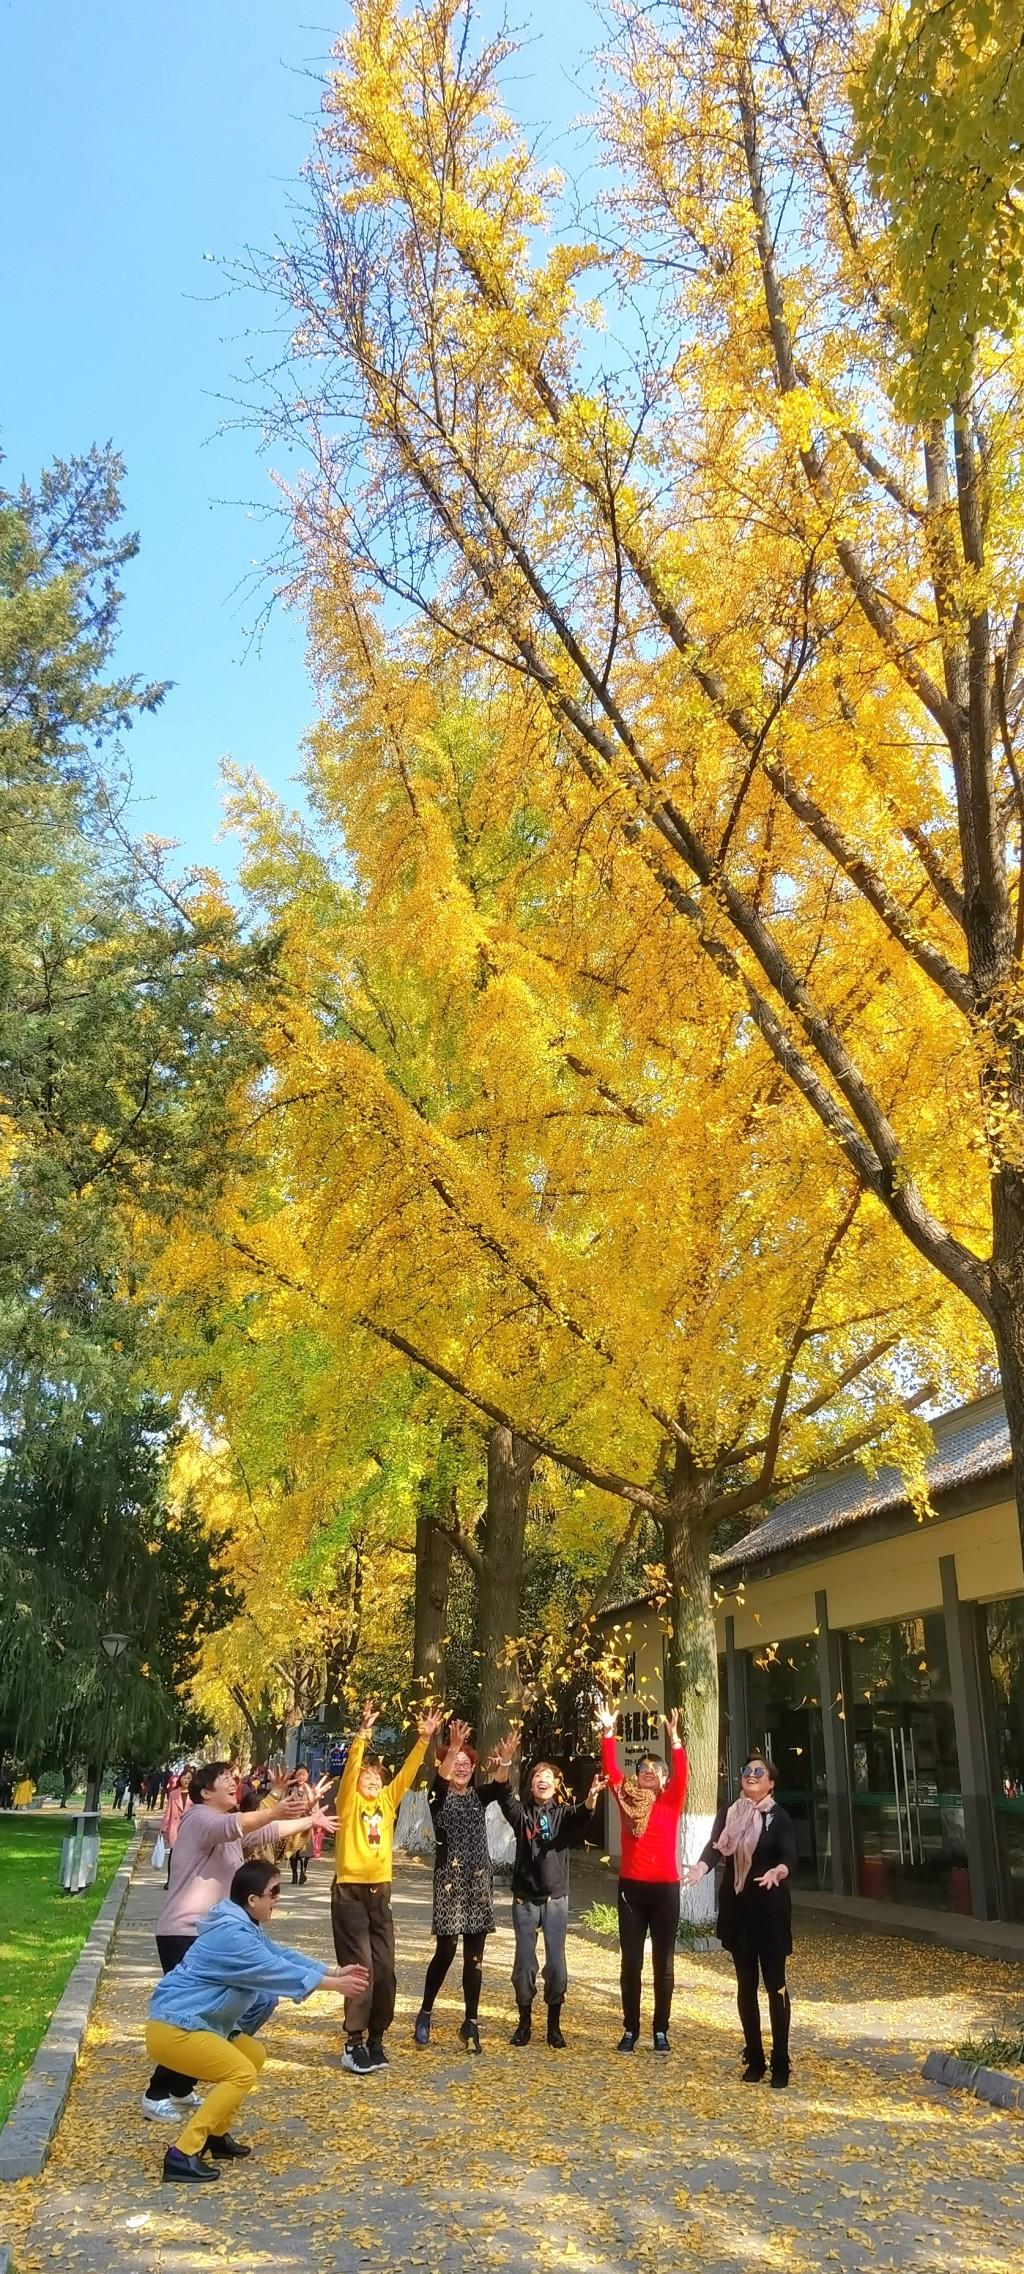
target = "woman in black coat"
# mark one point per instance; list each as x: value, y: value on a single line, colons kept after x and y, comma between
x: 755, y: 1839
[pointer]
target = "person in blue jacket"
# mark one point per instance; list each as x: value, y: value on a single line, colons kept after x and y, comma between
x: 203, y: 2015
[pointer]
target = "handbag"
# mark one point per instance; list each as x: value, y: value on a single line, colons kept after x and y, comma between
x: 159, y: 1852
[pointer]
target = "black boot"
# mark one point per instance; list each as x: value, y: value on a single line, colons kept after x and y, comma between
x: 778, y: 2007
x: 470, y: 2035
x: 555, y: 2036
x: 177, y: 2165
x: 522, y: 2035
x: 224, y: 2148
x: 295, y: 1871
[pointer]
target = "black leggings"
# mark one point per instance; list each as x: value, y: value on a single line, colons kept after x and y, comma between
x: 472, y: 1970
x: 773, y: 1970
x: 648, y: 1906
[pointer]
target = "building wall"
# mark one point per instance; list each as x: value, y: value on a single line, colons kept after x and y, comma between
x: 883, y: 1579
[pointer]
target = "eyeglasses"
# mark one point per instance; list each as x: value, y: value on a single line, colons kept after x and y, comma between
x: 754, y: 1769
x: 273, y: 1893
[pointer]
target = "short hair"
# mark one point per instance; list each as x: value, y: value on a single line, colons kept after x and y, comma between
x: 654, y: 1761
x: 206, y: 1777
x: 755, y: 1754
x: 252, y: 1879
x: 469, y: 1750
x: 371, y: 1761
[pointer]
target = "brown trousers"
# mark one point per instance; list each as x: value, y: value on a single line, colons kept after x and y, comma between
x: 364, y: 1935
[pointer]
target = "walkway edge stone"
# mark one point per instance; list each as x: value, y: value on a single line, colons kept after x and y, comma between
x: 27, y: 2136
x: 996, y: 2086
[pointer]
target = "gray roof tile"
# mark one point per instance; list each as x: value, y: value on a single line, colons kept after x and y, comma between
x: 971, y: 1443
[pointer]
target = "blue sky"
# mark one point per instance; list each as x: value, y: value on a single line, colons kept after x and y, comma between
x: 142, y: 137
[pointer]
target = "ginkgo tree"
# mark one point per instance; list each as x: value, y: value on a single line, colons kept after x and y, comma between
x: 514, y: 1141
x: 776, y: 628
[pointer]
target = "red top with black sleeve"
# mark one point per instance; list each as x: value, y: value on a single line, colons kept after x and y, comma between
x: 654, y: 1854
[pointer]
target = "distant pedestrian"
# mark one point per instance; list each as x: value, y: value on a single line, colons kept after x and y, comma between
x: 756, y: 1841
x: 174, y: 1809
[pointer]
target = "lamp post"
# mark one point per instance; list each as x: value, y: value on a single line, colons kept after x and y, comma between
x: 114, y: 1646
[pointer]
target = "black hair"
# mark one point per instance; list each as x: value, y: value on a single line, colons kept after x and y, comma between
x: 206, y: 1777
x: 755, y: 1754
x: 252, y: 1879
x: 654, y: 1761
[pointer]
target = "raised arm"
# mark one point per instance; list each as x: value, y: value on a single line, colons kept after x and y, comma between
x: 676, y: 1794
x: 606, y: 1718
x: 395, y: 1792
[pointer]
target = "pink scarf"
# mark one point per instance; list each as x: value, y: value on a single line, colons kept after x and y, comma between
x: 740, y: 1834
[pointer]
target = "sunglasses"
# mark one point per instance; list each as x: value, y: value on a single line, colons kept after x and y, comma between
x: 754, y: 1769
x: 273, y: 1893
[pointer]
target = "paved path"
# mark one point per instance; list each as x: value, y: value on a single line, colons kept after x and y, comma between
x: 535, y: 2161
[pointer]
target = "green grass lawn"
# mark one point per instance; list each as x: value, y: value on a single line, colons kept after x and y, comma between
x: 41, y: 1931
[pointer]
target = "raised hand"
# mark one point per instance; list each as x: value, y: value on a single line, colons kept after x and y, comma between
x: 430, y: 1722
x: 458, y: 1735
x: 369, y: 1716
x: 671, y: 1721
x: 320, y: 1789
x: 606, y: 1715
x: 597, y: 1787
x: 505, y: 1752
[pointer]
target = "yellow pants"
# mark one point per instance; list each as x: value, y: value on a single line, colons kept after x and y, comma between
x: 230, y: 2065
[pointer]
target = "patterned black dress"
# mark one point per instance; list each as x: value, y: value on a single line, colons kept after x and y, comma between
x: 462, y: 1865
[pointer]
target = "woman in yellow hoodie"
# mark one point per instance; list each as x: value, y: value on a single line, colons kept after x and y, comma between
x: 361, y: 1921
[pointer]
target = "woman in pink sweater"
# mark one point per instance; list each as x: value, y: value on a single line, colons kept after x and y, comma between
x: 650, y: 1804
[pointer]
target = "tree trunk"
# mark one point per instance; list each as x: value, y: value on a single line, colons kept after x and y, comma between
x: 693, y: 1670
x: 1007, y: 1289
x: 510, y: 1464
x: 434, y: 1550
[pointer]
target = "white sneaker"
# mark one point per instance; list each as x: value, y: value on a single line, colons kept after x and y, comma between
x: 161, y: 2111
x: 184, y: 2100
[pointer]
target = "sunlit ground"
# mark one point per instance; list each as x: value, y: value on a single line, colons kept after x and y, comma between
x: 530, y: 2160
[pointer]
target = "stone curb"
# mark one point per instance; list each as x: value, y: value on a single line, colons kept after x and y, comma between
x: 27, y: 2136
x: 996, y: 2086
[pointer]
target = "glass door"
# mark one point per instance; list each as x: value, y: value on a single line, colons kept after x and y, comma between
x: 907, y: 1806
x: 785, y: 1721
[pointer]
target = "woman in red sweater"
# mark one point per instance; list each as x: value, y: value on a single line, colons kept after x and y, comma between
x: 650, y: 1805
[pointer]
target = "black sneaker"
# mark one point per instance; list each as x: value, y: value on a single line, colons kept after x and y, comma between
x: 469, y: 2035
x: 627, y: 2042
x: 221, y: 2145
x: 356, y: 2059
x: 421, y: 2029
x: 177, y: 2165
x: 375, y: 2053
x: 661, y: 2043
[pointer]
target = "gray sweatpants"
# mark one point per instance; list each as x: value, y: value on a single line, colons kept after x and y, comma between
x: 549, y: 1916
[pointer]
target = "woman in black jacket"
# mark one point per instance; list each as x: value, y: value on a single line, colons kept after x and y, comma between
x: 755, y: 1839
x: 545, y: 1829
